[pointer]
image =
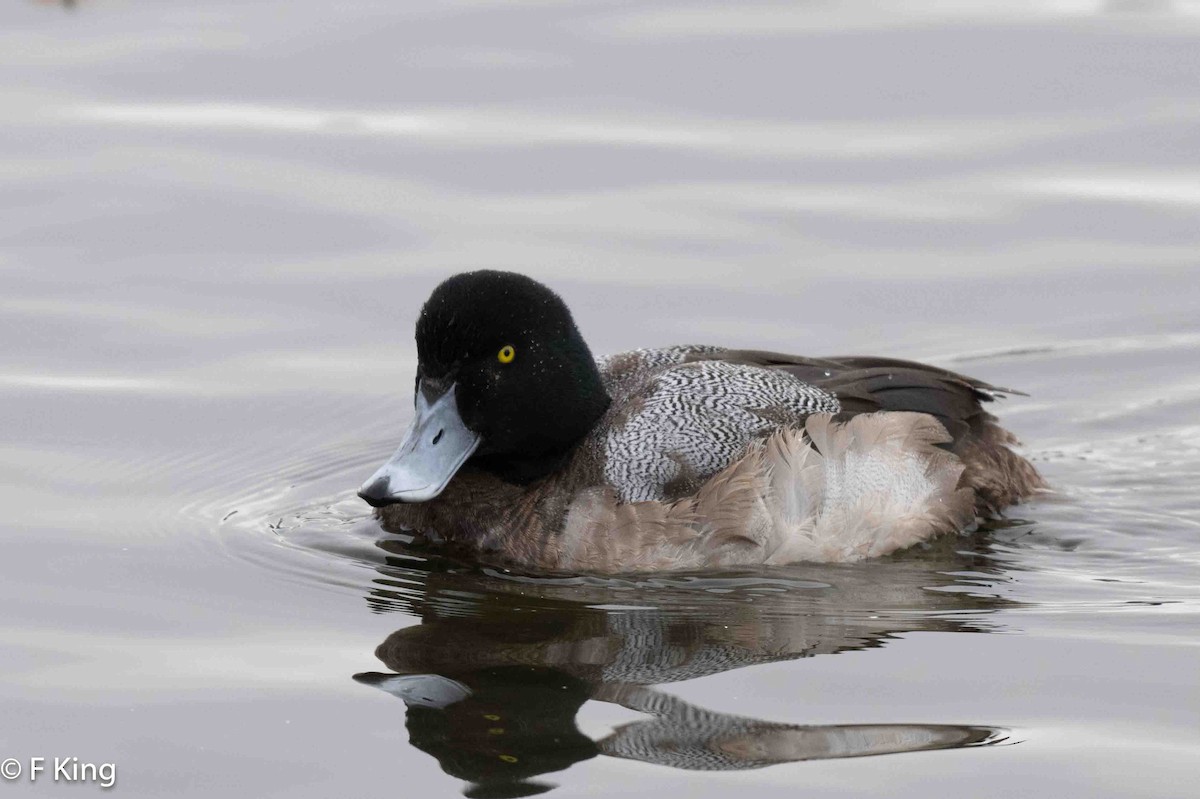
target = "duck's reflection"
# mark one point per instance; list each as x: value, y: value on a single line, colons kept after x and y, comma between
x: 496, y: 672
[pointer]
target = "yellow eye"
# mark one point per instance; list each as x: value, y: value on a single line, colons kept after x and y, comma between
x: 506, y: 354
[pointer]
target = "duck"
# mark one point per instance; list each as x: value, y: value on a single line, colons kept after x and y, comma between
x: 527, y: 452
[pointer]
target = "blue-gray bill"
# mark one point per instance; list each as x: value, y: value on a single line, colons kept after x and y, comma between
x: 436, y: 445
x: 419, y: 690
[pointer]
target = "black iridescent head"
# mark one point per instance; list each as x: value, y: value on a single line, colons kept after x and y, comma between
x: 524, y: 379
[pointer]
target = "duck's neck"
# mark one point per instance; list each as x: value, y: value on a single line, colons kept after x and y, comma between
x: 521, y: 470
x: 565, y: 417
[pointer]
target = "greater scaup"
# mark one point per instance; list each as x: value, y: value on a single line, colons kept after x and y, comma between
x: 527, y: 451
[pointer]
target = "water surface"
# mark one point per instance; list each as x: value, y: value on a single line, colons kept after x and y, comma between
x: 218, y: 222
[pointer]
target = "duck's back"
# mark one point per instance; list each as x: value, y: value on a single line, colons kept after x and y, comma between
x: 679, y: 415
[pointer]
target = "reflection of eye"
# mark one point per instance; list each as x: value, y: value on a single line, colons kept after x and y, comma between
x: 506, y: 354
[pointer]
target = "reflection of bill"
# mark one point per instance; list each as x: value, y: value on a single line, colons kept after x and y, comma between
x: 496, y: 672
x: 63, y: 3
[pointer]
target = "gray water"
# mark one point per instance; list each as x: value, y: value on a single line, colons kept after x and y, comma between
x: 217, y: 223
